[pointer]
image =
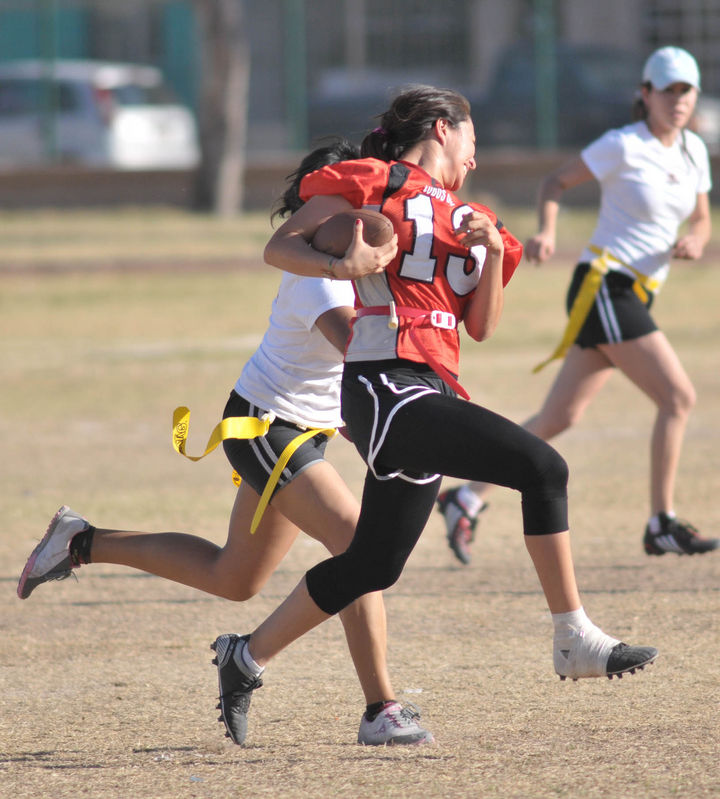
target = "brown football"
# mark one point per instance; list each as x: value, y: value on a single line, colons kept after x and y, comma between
x: 336, y: 233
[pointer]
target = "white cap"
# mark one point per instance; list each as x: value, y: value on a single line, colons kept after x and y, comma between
x: 671, y: 65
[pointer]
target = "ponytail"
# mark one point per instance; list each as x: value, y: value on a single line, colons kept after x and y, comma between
x: 639, y: 111
x: 410, y: 119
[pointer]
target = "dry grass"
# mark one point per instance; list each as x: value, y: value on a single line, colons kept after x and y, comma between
x: 107, y: 690
x: 120, y: 237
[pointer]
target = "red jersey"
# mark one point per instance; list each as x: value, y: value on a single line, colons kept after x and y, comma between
x: 432, y: 271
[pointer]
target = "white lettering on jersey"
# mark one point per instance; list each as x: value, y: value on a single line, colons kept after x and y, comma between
x: 420, y: 264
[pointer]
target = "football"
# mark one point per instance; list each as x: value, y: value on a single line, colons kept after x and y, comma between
x: 336, y: 233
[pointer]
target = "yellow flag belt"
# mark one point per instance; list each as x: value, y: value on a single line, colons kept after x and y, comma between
x: 242, y: 427
x: 585, y: 298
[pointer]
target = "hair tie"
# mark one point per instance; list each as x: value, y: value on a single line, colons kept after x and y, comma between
x: 382, y: 131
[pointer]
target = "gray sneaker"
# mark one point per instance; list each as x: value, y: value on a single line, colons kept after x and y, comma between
x: 235, y: 685
x: 50, y: 560
x: 459, y: 523
x: 394, y: 725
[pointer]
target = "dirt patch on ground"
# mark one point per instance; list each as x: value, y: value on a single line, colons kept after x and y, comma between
x: 107, y: 686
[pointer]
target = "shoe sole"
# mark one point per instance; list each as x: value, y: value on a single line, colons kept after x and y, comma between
x: 221, y: 718
x: 425, y: 739
x: 36, y: 552
x: 652, y: 550
x: 238, y: 739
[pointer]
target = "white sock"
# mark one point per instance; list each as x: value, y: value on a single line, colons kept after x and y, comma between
x: 580, y: 648
x: 654, y: 521
x: 572, y: 621
x: 470, y: 501
x: 244, y: 660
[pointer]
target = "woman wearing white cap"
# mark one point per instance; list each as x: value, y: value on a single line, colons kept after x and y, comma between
x: 654, y: 174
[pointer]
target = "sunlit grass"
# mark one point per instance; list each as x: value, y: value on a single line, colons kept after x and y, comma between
x: 126, y: 236
x: 81, y: 238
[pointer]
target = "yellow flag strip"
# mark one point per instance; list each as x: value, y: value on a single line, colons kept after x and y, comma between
x: 586, y: 297
x: 242, y: 427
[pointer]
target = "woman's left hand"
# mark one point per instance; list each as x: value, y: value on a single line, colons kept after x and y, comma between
x: 477, y: 228
x: 688, y: 247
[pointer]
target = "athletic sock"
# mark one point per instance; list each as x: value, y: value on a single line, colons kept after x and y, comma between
x: 471, y: 503
x: 372, y: 710
x: 244, y: 661
x: 570, y: 622
x: 581, y: 649
x: 654, y: 521
x: 80, y: 546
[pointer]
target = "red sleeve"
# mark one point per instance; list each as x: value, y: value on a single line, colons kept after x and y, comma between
x: 361, y: 182
x: 513, y: 253
x: 513, y: 248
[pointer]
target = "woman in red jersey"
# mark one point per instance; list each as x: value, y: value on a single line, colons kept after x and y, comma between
x: 399, y: 392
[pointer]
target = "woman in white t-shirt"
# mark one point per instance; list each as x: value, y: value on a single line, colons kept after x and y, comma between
x: 293, y: 381
x: 654, y: 175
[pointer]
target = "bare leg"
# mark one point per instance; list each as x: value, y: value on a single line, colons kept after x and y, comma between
x: 651, y: 363
x: 297, y: 615
x: 653, y: 366
x: 236, y: 571
x: 318, y: 502
x: 552, y: 557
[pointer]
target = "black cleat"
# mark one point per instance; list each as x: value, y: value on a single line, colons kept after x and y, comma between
x: 235, y: 686
x: 677, y: 536
x: 624, y: 658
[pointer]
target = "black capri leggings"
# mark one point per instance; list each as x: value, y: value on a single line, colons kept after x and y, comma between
x: 436, y: 433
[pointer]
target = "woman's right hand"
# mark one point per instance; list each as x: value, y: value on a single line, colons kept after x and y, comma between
x: 572, y: 173
x: 361, y: 259
x: 540, y: 247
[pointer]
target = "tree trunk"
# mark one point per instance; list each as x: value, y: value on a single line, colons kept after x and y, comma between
x: 224, y: 81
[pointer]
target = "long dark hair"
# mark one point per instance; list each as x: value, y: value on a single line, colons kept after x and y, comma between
x: 410, y: 118
x: 331, y: 153
x: 639, y: 110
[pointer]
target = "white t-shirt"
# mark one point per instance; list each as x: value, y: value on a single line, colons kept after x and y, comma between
x: 647, y: 191
x: 296, y: 371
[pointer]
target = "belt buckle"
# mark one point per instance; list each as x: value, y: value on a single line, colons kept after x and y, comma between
x: 443, y: 319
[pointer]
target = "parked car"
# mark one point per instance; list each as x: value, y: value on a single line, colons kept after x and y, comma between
x: 596, y: 86
x: 92, y: 113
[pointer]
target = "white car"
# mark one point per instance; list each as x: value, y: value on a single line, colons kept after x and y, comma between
x: 92, y: 113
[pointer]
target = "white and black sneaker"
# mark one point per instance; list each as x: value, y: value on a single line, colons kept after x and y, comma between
x: 51, y: 559
x: 235, y: 685
x: 677, y: 536
x: 394, y: 725
x: 460, y: 523
x: 589, y: 652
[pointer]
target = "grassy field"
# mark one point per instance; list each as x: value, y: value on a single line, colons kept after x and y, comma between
x: 108, y: 321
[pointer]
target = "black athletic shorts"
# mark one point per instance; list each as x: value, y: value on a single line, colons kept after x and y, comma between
x: 254, y: 458
x: 617, y: 314
x: 384, y: 388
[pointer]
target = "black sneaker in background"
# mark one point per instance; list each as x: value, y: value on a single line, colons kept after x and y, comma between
x: 677, y: 536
